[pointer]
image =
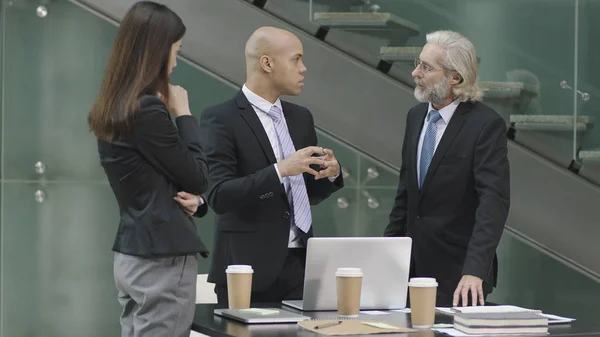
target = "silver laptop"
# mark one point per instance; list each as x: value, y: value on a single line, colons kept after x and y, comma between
x: 262, y: 315
x: 385, y: 262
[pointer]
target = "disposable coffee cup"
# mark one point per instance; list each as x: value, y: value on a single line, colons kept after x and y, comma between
x: 422, y: 301
x: 349, y: 284
x: 239, y: 286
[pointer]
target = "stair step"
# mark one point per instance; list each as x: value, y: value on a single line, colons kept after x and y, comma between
x: 402, y: 54
x: 364, y: 21
x: 550, y: 127
x: 551, y: 119
x: 590, y: 154
x: 337, y: 3
x: 506, y: 89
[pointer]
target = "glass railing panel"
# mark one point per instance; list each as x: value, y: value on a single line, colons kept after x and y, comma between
x: 76, y: 203
x: 59, y: 216
x: 59, y: 219
x: 532, y: 279
x: 362, y: 207
x: 526, y: 59
x: 528, y: 276
x: 587, y: 93
x: 203, y: 90
x: 337, y: 215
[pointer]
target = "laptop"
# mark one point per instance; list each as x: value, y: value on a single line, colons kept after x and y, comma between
x: 385, y: 262
x: 261, y: 315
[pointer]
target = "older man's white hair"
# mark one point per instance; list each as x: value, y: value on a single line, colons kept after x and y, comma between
x: 460, y: 56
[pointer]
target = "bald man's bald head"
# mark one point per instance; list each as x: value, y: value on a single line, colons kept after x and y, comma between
x: 274, y: 61
x: 268, y: 41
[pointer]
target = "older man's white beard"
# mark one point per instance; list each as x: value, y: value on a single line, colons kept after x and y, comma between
x: 435, y: 94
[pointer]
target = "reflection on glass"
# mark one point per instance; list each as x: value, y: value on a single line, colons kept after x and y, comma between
x: 56, y: 260
x: 521, y: 63
x: 529, y: 278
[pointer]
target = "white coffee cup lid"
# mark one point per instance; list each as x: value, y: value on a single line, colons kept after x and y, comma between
x: 349, y: 272
x: 239, y: 269
x: 422, y: 282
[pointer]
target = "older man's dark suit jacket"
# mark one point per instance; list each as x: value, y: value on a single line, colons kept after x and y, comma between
x: 457, y: 218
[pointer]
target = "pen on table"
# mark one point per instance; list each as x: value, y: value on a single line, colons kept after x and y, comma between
x: 455, y: 310
x: 327, y: 325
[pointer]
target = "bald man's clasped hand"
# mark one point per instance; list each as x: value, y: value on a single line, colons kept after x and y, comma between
x: 300, y: 162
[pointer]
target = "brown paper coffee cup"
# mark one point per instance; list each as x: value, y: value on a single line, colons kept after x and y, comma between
x: 239, y: 286
x: 349, y: 284
x: 422, y: 301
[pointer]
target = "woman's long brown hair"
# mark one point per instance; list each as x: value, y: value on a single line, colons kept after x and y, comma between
x: 138, y: 65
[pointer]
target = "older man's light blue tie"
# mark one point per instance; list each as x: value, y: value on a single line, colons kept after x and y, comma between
x: 428, y: 148
x: 297, y: 187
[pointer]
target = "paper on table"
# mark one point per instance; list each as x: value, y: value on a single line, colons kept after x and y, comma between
x: 443, y: 325
x: 554, y: 319
x: 405, y: 310
x: 374, y: 312
x: 353, y: 327
x: 453, y: 332
x: 485, y: 309
x: 380, y: 325
x: 259, y: 311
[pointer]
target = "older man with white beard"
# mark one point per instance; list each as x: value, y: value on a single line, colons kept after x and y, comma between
x: 454, y: 192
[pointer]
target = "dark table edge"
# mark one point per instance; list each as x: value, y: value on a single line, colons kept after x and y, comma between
x: 208, y: 331
x: 216, y: 333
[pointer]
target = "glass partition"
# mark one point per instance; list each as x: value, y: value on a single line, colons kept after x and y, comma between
x: 203, y: 90
x: 587, y: 92
x: 528, y: 277
x: 58, y: 216
x: 532, y: 279
x: 362, y: 207
x: 526, y: 59
x: 537, y: 68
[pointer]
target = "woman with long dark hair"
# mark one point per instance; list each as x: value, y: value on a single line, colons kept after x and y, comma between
x: 157, y: 172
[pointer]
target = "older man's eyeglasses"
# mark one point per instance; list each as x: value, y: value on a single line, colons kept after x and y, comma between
x: 425, y: 66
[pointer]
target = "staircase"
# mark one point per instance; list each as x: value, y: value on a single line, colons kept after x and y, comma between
x: 359, y: 88
x: 591, y: 164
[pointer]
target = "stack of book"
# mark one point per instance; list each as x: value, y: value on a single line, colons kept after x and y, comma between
x: 552, y: 319
x: 498, y: 323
